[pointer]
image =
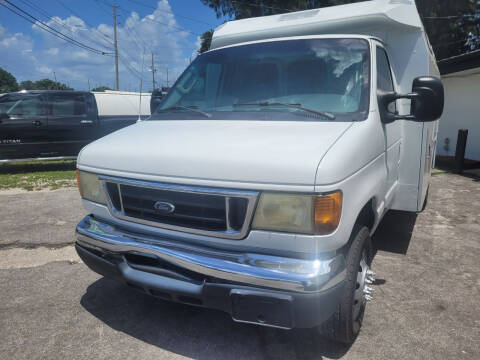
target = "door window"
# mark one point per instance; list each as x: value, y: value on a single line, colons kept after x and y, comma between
x: 384, y: 75
x: 68, y: 105
x: 21, y: 106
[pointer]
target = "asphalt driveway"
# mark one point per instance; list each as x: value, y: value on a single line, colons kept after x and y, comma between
x: 426, y: 303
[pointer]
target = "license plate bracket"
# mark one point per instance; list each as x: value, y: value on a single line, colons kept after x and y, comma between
x: 262, y: 308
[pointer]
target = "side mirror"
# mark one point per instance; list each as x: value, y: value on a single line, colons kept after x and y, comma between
x: 427, y: 98
x: 4, y: 116
x: 155, y: 100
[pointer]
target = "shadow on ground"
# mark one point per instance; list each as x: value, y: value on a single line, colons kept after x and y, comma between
x: 202, y: 333
x: 394, y: 232
x: 196, y: 332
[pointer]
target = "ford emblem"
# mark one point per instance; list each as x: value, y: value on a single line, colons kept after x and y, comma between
x: 163, y: 207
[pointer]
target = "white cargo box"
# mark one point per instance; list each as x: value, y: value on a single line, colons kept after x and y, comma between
x: 122, y: 103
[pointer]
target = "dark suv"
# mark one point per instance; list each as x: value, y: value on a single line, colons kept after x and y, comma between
x: 46, y: 124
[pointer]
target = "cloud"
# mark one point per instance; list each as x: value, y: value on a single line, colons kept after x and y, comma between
x: 17, y: 52
x: 157, y: 33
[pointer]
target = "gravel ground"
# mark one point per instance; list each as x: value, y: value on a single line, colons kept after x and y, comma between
x: 53, y: 307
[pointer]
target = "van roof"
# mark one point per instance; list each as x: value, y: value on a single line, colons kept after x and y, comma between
x: 375, y: 18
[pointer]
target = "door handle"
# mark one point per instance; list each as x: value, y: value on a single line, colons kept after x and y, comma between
x: 36, y: 122
x: 86, y: 122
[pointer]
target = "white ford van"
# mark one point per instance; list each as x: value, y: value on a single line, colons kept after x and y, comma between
x: 255, y: 187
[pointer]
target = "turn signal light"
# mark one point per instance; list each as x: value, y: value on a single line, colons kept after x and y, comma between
x: 328, y: 209
x: 78, y: 182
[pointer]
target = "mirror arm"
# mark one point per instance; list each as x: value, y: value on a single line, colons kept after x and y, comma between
x: 409, y: 96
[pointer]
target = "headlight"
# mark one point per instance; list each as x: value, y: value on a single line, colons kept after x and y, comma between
x: 305, y: 214
x: 90, y: 187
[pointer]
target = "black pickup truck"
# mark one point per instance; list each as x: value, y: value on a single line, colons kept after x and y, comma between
x: 56, y: 124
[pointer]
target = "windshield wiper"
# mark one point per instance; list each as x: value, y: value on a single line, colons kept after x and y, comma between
x: 328, y: 115
x: 189, y: 108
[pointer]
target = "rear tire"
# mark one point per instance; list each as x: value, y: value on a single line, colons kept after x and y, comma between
x: 344, y: 325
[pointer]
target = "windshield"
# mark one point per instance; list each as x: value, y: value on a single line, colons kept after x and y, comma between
x: 291, y: 76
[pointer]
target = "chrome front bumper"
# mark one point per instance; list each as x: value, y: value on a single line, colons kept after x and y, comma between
x: 264, y: 271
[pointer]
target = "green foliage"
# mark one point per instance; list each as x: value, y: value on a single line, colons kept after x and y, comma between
x: 27, y: 85
x: 101, y: 88
x: 37, y: 175
x: 449, y: 27
x: 240, y: 9
x: 44, y: 84
x: 206, y: 39
x: 8, y: 83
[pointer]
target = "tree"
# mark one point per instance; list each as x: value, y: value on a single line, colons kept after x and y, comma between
x: 8, y: 83
x: 206, y: 39
x: 241, y: 9
x: 246, y: 9
x: 453, y: 26
x: 47, y: 84
x: 44, y: 84
x: 27, y: 85
x: 101, y: 88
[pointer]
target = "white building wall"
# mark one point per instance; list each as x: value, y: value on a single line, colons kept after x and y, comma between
x: 462, y: 111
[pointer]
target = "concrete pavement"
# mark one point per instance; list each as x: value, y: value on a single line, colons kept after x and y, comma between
x: 425, y: 306
x: 39, y: 218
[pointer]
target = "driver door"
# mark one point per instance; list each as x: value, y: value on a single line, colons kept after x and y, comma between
x: 392, y: 131
x: 23, y: 126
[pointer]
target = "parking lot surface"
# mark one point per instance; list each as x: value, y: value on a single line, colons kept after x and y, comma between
x: 426, y: 303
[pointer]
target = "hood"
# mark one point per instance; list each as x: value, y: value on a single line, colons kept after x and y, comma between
x: 268, y: 152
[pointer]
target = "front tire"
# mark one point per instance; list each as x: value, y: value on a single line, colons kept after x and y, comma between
x: 344, y: 325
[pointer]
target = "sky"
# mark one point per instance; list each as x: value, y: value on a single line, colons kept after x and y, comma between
x: 169, y: 29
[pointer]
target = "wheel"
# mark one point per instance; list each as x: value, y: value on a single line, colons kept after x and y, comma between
x: 344, y: 325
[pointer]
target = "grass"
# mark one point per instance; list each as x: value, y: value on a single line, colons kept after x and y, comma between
x: 37, y: 175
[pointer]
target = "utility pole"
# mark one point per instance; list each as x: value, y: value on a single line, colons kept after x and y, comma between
x: 167, y: 77
x: 88, y: 84
x: 55, y: 77
x: 114, y: 7
x: 153, y: 73
x: 141, y: 83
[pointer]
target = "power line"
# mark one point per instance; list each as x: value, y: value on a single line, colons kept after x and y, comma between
x: 170, y: 12
x: 61, y: 23
x: 172, y: 26
x: 124, y: 59
x: 130, y: 68
x: 451, y: 17
x: 135, y: 38
x: 262, y: 6
x: 156, y: 21
x: 62, y: 35
x: 106, y: 37
x: 450, y: 43
x: 27, y: 16
x: 101, y: 8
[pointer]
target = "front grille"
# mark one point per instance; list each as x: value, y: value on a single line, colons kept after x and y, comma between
x: 208, y: 211
x: 191, y: 210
